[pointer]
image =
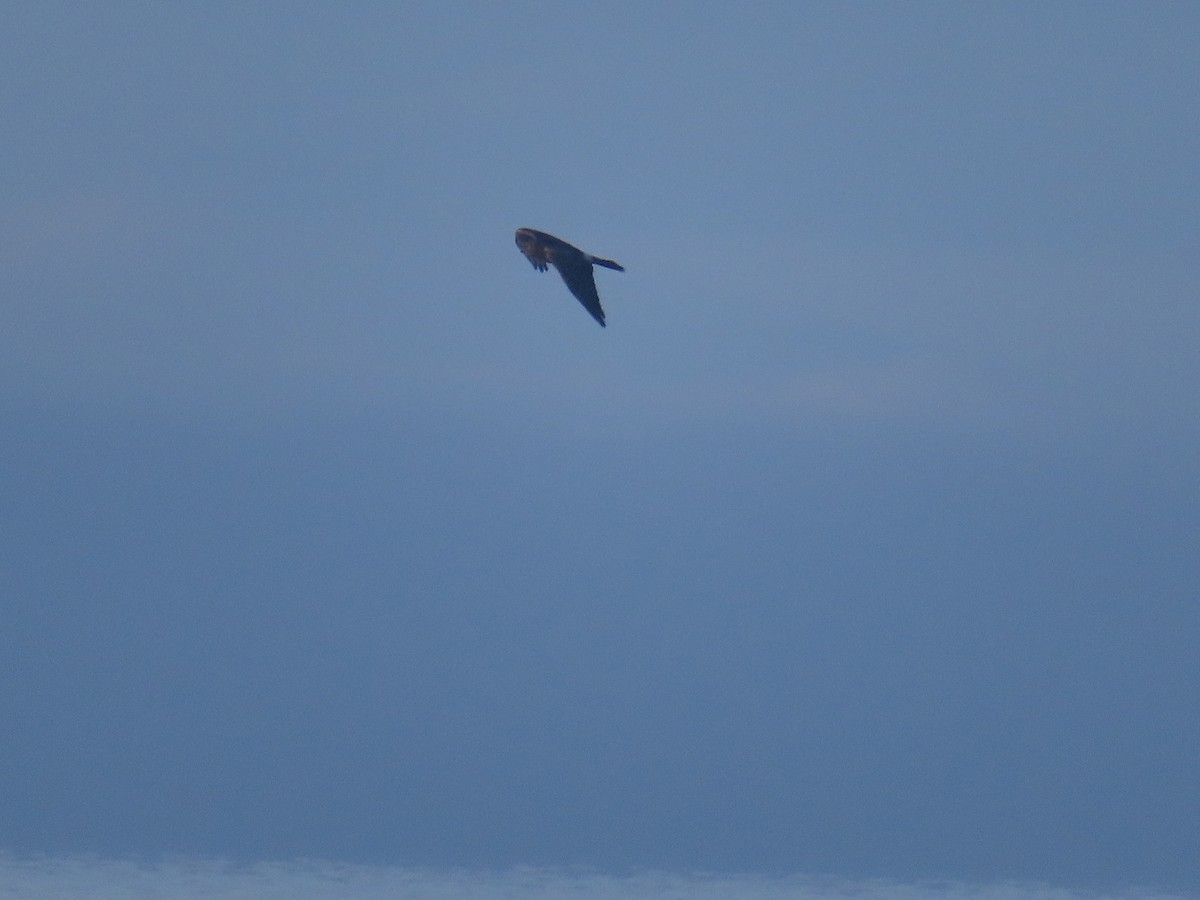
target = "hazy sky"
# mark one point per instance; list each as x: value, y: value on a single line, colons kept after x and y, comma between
x: 863, y: 542
x: 88, y: 878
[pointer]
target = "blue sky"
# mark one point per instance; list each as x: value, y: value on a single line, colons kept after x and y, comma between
x: 861, y: 542
x: 88, y: 878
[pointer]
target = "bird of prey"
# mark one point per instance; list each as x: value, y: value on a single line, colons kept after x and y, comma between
x: 573, y: 265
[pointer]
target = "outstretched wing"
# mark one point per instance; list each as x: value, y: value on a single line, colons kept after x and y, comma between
x: 576, y: 271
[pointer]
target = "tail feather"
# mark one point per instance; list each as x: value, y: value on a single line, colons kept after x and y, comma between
x: 607, y: 263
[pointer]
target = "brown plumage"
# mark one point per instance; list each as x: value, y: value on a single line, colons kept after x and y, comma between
x: 573, y: 265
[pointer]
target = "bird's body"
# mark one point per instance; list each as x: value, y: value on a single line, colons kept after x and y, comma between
x: 575, y: 266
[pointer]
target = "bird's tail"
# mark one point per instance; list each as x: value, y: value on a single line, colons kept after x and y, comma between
x: 608, y: 264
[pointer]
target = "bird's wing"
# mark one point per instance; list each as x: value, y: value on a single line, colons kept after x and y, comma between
x: 576, y: 271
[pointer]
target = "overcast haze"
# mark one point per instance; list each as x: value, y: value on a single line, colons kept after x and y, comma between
x: 863, y: 542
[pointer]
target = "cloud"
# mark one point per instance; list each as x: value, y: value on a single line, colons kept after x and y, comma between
x: 69, y: 877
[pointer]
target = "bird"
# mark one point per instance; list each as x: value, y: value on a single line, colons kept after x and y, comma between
x: 573, y: 265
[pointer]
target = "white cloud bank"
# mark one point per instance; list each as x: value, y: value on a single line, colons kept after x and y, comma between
x: 71, y: 877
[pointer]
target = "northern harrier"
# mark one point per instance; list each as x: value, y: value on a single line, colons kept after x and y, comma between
x: 573, y: 265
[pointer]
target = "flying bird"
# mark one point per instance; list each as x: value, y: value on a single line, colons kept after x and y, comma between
x: 573, y: 265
